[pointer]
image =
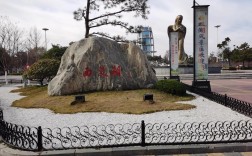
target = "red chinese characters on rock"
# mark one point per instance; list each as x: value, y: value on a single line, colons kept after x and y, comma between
x: 116, y: 71
x: 102, y: 72
x: 87, y: 72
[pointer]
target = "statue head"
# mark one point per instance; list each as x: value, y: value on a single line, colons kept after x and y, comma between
x: 178, y: 20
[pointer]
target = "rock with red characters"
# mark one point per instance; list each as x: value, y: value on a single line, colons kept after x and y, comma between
x: 98, y: 64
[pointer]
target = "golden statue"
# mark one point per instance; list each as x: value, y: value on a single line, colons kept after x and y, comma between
x: 181, y: 29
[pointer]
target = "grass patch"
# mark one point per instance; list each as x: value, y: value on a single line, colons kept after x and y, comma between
x: 130, y: 102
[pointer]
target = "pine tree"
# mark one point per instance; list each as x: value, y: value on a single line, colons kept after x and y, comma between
x: 116, y: 9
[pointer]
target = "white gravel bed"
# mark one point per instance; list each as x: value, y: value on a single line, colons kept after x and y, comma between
x: 205, y: 111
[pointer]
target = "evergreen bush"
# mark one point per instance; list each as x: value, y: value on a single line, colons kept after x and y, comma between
x: 171, y: 86
x: 42, y: 69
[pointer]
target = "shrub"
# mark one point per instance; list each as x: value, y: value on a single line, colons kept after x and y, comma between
x: 232, y: 68
x: 171, y: 86
x: 246, y: 68
x: 55, y: 52
x: 42, y: 69
x: 229, y: 68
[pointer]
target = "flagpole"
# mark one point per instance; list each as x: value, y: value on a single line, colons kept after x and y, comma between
x: 194, y: 53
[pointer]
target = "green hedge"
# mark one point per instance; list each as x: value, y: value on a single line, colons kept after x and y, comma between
x: 229, y: 68
x: 171, y: 86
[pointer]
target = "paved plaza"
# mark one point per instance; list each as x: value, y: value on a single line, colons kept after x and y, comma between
x: 237, y: 88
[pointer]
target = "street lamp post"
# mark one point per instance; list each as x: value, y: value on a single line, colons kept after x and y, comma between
x: 27, y: 60
x: 27, y: 81
x: 45, y: 29
x: 217, y: 26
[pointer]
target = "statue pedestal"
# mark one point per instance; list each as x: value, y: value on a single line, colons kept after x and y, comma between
x: 202, y: 84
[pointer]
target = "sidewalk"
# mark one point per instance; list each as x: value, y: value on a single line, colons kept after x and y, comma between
x: 235, y: 149
x: 240, y: 89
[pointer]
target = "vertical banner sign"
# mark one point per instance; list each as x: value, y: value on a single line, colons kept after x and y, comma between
x: 174, y: 54
x: 201, y: 42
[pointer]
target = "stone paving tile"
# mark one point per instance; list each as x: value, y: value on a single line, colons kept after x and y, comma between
x: 237, y: 88
x: 246, y: 153
x: 215, y: 154
x: 232, y: 154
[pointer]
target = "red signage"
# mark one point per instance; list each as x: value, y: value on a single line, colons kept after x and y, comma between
x: 102, y: 71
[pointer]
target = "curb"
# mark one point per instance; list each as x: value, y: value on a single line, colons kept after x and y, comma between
x: 135, y: 150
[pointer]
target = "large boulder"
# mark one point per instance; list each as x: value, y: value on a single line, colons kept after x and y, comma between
x: 97, y: 64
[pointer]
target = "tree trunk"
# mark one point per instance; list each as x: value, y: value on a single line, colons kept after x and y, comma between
x: 41, y: 82
x: 87, y: 19
x: 5, y: 76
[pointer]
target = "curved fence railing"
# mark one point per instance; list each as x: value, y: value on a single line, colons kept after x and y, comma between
x: 141, y: 134
x: 235, y: 104
x: 21, y: 137
x: 212, y: 132
x: 93, y: 136
x: 11, y: 81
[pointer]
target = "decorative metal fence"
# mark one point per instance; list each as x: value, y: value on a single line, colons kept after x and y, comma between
x: 235, y: 104
x: 93, y: 136
x: 188, y: 133
x: 21, y: 137
x: 136, y: 134
x: 147, y: 134
x: 11, y: 81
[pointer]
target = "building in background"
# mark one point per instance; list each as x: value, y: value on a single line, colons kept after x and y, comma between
x: 146, y: 41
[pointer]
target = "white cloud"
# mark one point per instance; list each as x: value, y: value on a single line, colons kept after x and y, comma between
x: 57, y: 15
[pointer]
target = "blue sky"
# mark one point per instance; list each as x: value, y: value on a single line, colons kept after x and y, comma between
x: 234, y: 17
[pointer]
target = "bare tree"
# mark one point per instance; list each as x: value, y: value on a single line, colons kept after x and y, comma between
x: 33, y: 42
x: 10, y: 42
x: 10, y: 36
x: 4, y: 59
x: 116, y: 9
